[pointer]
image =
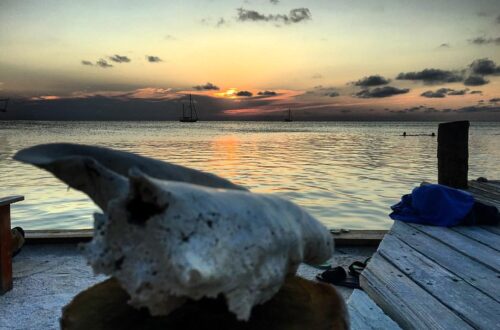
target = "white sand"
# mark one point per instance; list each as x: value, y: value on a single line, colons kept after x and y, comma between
x: 47, y: 277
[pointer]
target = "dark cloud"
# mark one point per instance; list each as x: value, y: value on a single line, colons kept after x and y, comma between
x: 378, y: 92
x: 498, y: 19
x: 458, y: 92
x: 244, y: 93
x: 170, y: 37
x: 267, y: 93
x: 436, y: 94
x: 442, y: 92
x: 84, y: 62
x: 220, y: 22
x: 432, y: 76
x: 317, y: 76
x: 495, y: 100
x: 484, y: 66
x: 475, y: 81
x: 119, y: 58
x: 476, y: 109
x: 333, y: 94
x: 153, y: 59
x: 296, y: 15
x: 476, y: 92
x: 299, y: 15
x: 102, y: 63
x: 370, y: 81
x: 274, y: 2
x: 485, y: 41
x: 207, y: 87
x: 445, y: 45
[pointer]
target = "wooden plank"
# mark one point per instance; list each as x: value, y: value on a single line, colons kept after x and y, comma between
x: 5, y: 250
x: 472, y: 305
x: 485, y: 198
x: 492, y: 229
x: 10, y: 200
x: 490, y: 186
x: 404, y: 301
x: 478, y: 193
x: 480, y: 235
x: 359, y: 238
x: 475, y: 273
x: 365, y: 314
x: 356, y: 320
x: 471, y: 248
x: 351, y: 238
x: 58, y: 236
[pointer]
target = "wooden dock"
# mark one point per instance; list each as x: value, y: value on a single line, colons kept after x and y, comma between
x: 427, y: 277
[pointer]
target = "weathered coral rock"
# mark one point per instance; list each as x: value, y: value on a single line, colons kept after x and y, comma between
x: 167, y: 241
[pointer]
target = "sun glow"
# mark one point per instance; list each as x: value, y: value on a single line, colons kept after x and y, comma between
x: 229, y: 93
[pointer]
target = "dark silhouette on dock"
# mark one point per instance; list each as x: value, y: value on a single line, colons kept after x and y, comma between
x: 289, y: 117
x: 405, y: 135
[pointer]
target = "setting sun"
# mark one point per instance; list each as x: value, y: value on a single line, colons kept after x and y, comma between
x: 229, y: 93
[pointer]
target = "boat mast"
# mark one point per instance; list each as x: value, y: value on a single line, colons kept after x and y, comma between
x: 190, y: 106
x: 193, y: 108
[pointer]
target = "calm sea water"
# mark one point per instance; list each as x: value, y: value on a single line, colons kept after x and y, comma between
x: 346, y: 174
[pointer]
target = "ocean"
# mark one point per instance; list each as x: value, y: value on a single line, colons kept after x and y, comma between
x: 347, y: 174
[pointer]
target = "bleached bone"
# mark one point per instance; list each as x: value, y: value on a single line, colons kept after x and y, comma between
x: 166, y: 241
x: 102, y: 173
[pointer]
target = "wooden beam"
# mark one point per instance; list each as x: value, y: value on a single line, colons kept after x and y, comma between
x: 453, y: 154
x: 10, y: 200
x: 359, y: 238
x: 6, y: 243
x: 350, y: 238
x: 5, y: 250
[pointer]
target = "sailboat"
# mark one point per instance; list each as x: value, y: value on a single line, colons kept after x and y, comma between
x: 5, y: 104
x: 289, y: 118
x: 189, y: 115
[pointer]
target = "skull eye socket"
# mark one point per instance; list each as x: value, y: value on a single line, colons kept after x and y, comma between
x: 142, y: 205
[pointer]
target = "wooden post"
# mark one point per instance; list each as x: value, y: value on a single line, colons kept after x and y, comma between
x: 453, y: 154
x: 6, y: 243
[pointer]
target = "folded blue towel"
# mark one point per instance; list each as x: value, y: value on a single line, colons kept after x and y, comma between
x: 434, y: 204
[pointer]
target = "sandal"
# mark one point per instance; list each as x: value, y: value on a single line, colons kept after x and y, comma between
x: 357, y: 267
x: 325, y: 266
x: 338, y: 276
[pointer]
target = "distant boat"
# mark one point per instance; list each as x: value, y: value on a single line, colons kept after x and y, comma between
x: 289, y: 118
x: 5, y: 104
x: 189, y: 115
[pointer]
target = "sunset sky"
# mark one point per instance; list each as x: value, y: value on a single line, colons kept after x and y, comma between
x: 251, y: 59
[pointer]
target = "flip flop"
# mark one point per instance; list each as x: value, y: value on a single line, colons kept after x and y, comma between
x: 357, y: 267
x: 338, y: 276
x: 325, y: 266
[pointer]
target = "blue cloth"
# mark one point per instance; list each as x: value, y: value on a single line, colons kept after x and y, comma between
x: 434, y: 204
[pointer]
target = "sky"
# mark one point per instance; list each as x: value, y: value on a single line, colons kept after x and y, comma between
x: 251, y: 59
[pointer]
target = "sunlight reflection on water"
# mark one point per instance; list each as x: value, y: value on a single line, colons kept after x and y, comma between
x: 346, y: 174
